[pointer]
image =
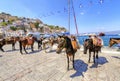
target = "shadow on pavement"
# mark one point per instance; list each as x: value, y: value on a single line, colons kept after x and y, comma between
x: 116, y: 57
x: 34, y: 52
x: 12, y: 50
x: 80, y: 67
x: 99, y: 61
x: 51, y: 51
x: 0, y: 55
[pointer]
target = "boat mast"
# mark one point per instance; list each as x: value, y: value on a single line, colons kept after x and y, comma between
x: 69, y: 16
x: 74, y: 17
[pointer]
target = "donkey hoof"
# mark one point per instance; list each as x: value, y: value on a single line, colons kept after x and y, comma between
x: 21, y: 52
x: 97, y: 57
x: 85, y: 53
x: 88, y: 61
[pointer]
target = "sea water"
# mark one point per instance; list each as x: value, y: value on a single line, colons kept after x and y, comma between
x: 105, y: 39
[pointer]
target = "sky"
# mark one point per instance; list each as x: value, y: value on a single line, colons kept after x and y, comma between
x: 91, y: 15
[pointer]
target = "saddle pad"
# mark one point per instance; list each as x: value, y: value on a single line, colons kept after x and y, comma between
x: 30, y: 41
x: 74, y: 44
x: 97, y: 42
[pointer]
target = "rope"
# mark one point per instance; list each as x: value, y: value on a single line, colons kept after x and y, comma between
x: 74, y: 17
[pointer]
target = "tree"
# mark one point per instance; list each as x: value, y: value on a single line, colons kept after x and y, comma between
x: 51, y: 26
x: 5, y: 13
x: 36, y: 25
x: 3, y: 23
x: 9, y: 22
x: 57, y: 27
x: 13, y: 28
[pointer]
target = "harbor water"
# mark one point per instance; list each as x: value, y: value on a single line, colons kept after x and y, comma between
x: 104, y: 38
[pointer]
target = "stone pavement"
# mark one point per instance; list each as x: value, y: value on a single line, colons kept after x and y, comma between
x: 40, y: 66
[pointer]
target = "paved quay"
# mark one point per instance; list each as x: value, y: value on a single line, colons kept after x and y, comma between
x: 41, y: 66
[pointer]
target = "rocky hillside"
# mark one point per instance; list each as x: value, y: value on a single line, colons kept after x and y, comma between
x: 9, y: 22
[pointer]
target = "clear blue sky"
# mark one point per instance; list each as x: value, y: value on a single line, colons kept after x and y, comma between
x: 92, y: 15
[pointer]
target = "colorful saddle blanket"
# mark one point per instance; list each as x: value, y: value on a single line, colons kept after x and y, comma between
x: 97, y: 42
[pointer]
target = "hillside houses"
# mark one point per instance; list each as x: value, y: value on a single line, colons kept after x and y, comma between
x: 13, y: 25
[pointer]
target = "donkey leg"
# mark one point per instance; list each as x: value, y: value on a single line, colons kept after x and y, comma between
x: 1, y: 49
x: 50, y: 49
x: 20, y: 45
x: 85, y: 50
x: 73, y: 62
x: 25, y: 50
x: 38, y: 45
x: 68, y: 62
x: 21, y: 51
x: 100, y: 50
x: 96, y: 54
x: 94, y: 57
x: 44, y: 47
x: 89, y: 57
x: 32, y: 48
x: 13, y: 46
